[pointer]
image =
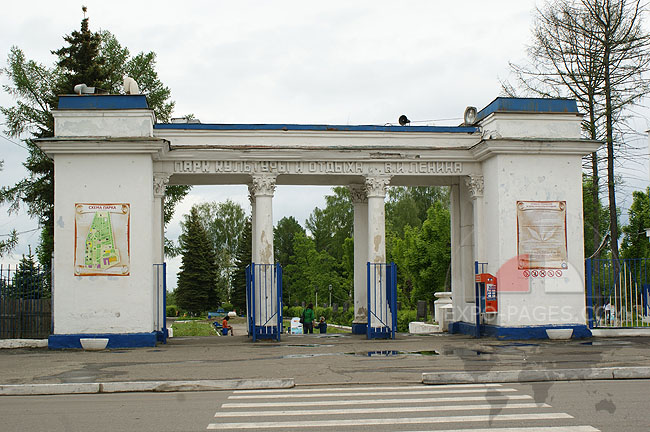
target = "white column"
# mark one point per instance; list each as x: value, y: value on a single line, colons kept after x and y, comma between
x: 263, y: 188
x: 475, y: 185
x: 456, y: 258
x: 251, y: 198
x: 265, y: 295
x: 160, y: 181
x: 376, y: 192
x: 360, y: 204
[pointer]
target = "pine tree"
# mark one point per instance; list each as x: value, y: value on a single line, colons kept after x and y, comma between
x: 196, y: 291
x: 80, y: 61
x: 27, y: 280
x: 95, y: 59
x: 242, y: 260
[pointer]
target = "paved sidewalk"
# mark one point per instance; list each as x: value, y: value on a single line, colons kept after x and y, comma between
x: 317, y: 359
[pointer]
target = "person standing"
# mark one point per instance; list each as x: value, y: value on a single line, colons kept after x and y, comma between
x: 322, y: 325
x: 309, y: 317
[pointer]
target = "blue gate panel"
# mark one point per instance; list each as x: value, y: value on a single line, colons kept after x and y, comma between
x: 264, y: 301
x: 382, y: 300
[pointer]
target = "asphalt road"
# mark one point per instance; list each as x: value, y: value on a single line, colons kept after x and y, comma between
x: 551, y: 406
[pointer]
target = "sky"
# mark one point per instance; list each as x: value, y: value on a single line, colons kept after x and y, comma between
x: 324, y: 62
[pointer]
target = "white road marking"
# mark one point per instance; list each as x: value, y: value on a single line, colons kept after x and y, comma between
x: 380, y: 388
x: 390, y: 421
x: 371, y: 393
x: 380, y: 410
x: 380, y: 401
x: 525, y: 429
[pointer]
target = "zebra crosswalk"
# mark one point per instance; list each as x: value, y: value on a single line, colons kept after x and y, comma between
x: 457, y: 408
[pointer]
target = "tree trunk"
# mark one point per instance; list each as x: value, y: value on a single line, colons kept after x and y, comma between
x: 595, y: 216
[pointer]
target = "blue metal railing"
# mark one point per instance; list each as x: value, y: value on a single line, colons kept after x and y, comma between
x: 382, y: 300
x: 618, y: 292
x: 264, y: 301
x: 160, y: 300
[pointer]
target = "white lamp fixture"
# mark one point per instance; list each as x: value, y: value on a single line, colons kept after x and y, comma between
x: 469, y: 118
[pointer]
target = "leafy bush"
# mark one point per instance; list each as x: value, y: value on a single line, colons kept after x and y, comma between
x: 227, y: 306
x: 340, y: 317
x: 171, y: 311
x: 293, y: 311
x: 404, y: 317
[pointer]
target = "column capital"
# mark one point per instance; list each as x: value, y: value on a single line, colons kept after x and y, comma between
x: 376, y: 186
x: 160, y: 182
x: 475, y: 185
x: 262, y: 185
x: 358, y: 194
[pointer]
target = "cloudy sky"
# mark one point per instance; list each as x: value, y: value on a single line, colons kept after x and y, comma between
x: 334, y: 62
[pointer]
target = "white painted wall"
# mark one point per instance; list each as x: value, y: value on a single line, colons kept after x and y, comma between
x: 535, y: 177
x: 104, y: 123
x: 103, y: 304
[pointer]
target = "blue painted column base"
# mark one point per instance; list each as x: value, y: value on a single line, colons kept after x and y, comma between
x: 580, y: 331
x: 359, y: 328
x: 115, y: 340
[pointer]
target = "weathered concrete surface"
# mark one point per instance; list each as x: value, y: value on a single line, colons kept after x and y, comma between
x: 634, y: 372
x: 319, y: 359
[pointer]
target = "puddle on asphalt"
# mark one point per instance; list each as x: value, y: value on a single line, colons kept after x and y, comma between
x: 295, y: 356
x: 606, y: 343
x: 465, y: 352
x: 393, y: 353
x: 309, y: 345
x: 517, y: 344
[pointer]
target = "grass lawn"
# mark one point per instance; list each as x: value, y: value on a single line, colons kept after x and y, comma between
x: 193, y: 328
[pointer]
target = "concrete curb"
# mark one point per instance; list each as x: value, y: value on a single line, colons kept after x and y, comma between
x: 641, y: 372
x: 144, y: 386
x: 23, y: 343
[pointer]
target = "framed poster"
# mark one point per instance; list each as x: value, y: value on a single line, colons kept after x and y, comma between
x: 102, y: 239
x: 541, y: 235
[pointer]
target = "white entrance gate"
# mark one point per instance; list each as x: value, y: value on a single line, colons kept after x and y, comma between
x: 111, y: 156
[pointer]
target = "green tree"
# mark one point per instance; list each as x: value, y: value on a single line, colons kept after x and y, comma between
x: 425, y: 254
x: 28, y: 281
x: 333, y: 224
x: 96, y: 59
x: 243, y: 258
x: 635, y: 242
x: 312, y: 272
x: 80, y: 60
x: 8, y: 244
x: 283, y: 235
x: 409, y: 205
x: 594, y: 234
x: 225, y: 223
x: 196, y: 290
x: 598, y: 52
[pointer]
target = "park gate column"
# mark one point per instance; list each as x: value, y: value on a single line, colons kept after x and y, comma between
x: 360, y: 203
x: 376, y: 192
x: 108, y: 227
x: 160, y: 181
x: 263, y: 188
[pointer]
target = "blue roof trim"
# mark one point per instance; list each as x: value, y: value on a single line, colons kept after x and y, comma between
x: 532, y: 105
x: 304, y: 127
x: 89, y: 102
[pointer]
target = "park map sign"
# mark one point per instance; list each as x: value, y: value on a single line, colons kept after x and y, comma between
x: 102, y: 239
